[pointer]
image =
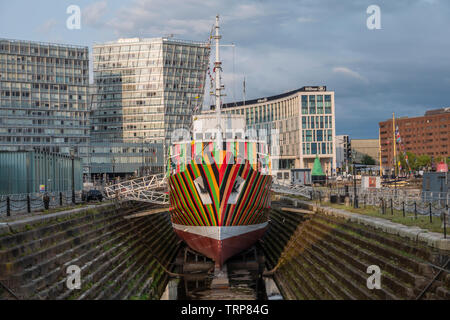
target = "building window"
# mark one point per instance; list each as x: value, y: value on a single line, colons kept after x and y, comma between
x: 320, y: 104
x: 312, y: 104
x: 319, y: 135
x: 327, y: 104
x: 304, y: 105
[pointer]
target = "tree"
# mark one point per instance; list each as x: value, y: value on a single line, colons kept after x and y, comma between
x: 367, y: 160
x: 412, y: 161
x: 423, y: 160
x: 402, y: 160
x: 438, y: 159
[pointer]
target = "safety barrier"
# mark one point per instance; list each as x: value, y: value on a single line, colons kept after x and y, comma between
x: 14, y: 204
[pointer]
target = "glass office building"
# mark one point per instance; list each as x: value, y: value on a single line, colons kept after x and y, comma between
x: 299, y: 125
x: 145, y: 88
x: 44, y: 97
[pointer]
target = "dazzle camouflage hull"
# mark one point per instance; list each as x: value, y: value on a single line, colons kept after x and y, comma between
x: 219, y: 208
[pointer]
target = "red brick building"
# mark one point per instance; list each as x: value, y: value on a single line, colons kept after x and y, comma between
x: 428, y: 134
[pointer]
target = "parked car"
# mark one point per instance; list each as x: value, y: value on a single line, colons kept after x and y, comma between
x: 92, y: 195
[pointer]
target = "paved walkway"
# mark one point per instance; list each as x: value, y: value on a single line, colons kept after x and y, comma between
x: 23, y: 222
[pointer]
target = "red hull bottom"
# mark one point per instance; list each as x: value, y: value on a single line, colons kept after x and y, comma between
x: 221, y: 250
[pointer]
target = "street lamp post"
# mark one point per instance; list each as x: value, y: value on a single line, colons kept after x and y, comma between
x: 355, y: 196
x: 142, y: 157
x: 72, y: 158
x: 114, y: 169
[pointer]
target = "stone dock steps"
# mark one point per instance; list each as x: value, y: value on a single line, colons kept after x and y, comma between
x: 119, y: 258
x: 39, y: 262
x: 323, y: 257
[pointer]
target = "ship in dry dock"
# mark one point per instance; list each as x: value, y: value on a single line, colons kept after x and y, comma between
x: 219, y: 181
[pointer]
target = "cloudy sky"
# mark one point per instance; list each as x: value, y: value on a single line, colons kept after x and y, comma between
x: 404, y: 67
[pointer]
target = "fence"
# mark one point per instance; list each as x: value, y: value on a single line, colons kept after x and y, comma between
x: 407, y: 195
x: 15, y: 204
x: 411, y: 203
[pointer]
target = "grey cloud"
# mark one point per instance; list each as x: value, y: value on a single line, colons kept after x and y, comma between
x: 281, y: 46
x: 92, y: 14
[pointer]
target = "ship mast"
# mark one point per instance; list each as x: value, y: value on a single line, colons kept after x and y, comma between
x: 218, y: 89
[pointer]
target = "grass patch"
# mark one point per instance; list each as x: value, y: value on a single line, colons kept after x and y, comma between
x: 53, y: 221
x: 142, y: 297
x: 422, y: 221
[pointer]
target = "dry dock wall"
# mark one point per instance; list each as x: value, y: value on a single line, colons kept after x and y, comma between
x: 118, y: 258
x: 323, y: 256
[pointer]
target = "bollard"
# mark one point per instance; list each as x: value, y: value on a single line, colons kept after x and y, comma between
x: 382, y: 206
x: 415, y: 210
x: 28, y: 203
x: 8, y: 207
x: 46, y: 200
x: 347, y: 201
x: 311, y: 195
x: 403, y: 209
x: 60, y: 199
x: 320, y: 197
x: 431, y: 219
x: 392, y: 208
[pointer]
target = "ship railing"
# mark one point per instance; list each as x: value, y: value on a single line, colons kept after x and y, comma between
x: 151, y: 188
x: 289, y: 188
x: 151, y: 196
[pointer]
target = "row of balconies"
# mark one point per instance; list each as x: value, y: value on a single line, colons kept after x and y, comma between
x: 61, y: 55
x: 42, y: 73
x: 17, y: 64
x: 12, y: 128
x: 47, y: 120
x: 32, y: 78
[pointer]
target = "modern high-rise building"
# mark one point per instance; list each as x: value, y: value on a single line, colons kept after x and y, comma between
x: 44, y: 97
x: 145, y: 88
x: 299, y: 125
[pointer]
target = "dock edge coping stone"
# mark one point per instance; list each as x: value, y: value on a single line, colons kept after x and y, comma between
x: 431, y: 239
x: 23, y: 224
